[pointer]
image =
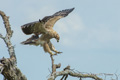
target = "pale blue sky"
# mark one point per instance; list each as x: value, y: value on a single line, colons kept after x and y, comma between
x: 89, y: 36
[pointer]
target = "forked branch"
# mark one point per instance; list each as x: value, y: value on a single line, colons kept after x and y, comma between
x: 8, y: 66
x: 73, y: 74
x: 8, y: 36
x: 54, y: 66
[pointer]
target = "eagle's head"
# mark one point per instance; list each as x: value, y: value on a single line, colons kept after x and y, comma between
x: 57, y: 37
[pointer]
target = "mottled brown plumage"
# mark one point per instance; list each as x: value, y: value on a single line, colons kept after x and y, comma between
x: 43, y: 41
x: 45, y: 26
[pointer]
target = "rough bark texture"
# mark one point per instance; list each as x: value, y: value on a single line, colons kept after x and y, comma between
x: 67, y: 72
x: 54, y: 66
x: 8, y: 66
x: 10, y: 71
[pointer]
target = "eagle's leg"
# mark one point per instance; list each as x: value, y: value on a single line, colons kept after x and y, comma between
x: 53, y: 34
x: 53, y: 48
x: 47, y: 49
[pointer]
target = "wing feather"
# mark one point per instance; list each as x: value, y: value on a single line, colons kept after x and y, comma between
x: 31, y: 40
x: 51, y: 20
x: 48, y: 22
x: 29, y: 28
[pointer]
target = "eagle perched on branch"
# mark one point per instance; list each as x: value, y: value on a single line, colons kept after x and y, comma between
x: 45, y: 28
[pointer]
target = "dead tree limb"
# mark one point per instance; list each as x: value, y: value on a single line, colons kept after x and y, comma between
x: 73, y: 74
x: 54, y: 66
x: 65, y: 76
x: 8, y: 66
x: 8, y: 36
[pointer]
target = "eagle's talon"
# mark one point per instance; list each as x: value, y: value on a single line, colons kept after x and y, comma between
x: 55, y: 54
x: 60, y: 52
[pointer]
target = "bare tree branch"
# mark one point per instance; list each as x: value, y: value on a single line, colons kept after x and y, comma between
x: 73, y: 74
x: 8, y: 66
x: 10, y: 71
x: 8, y: 36
x: 54, y: 66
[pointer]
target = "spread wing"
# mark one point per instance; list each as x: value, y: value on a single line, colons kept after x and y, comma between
x: 50, y: 20
x: 47, y: 22
x: 29, y: 28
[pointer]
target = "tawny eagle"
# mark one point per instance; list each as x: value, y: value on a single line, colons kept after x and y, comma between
x: 45, y: 26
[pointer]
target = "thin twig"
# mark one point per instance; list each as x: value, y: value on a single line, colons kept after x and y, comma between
x: 66, y: 77
x: 6, y: 23
x: 1, y: 36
